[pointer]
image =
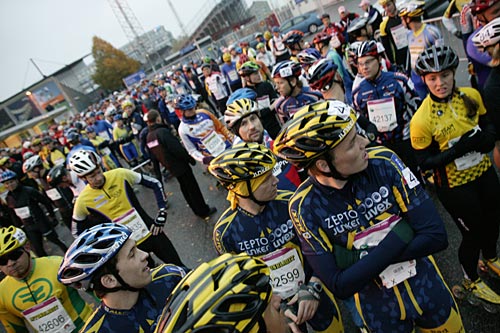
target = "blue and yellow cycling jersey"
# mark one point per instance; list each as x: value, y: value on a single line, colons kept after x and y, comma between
x: 143, y: 314
x: 239, y: 231
x: 329, y: 220
x: 17, y: 296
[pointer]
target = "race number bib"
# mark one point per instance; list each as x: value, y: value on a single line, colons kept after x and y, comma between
x: 263, y: 102
x: 372, y: 236
x: 400, y: 36
x: 233, y: 76
x: 214, y: 144
x: 133, y: 220
x: 23, y: 212
x: 49, y: 317
x: 60, y: 161
x: 470, y: 159
x: 382, y: 113
x: 53, y: 194
x: 105, y: 151
x: 287, y: 273
x: 396, y: 273
x: 104, y: 135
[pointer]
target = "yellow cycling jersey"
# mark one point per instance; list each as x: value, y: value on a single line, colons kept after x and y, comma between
x: 41, y: 285
x: 114, y: 200
x: 119, y: 133
x: 442, y: 122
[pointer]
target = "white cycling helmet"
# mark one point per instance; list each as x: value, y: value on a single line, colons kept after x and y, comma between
x: 31, y: 163
x: 84, y: 162
x: 489, y: 35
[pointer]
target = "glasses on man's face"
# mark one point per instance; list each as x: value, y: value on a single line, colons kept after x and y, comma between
x: 366, y: 63
x: 14, y: 255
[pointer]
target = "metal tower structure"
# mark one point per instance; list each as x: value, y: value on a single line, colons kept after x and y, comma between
x: 181, y: 25
x: 131, y: 27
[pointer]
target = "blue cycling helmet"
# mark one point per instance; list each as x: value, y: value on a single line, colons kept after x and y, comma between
x: 7, y: 175
x: 185, y: 102
x: 308, y: 56
x: 90, y: 129
x: 286, y: 69
x: 241, y: 93
x: 90, y: 251
x: 117, y: 117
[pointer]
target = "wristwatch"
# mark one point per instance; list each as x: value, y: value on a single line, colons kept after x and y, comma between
x: 316, y: 286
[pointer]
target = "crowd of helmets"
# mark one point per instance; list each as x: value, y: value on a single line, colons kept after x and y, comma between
x: 330, y: 58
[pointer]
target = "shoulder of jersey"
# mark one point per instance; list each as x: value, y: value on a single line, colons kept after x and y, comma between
x: 165, y: 270
x: 284, y: 195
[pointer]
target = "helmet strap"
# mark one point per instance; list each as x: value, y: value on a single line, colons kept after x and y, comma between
x: 333, y: 171
x: 252, y: 197
x: 123, y: 285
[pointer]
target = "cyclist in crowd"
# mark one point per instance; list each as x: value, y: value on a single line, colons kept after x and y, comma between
x: 25, y: 203
x: 488, y: 40
x: 102, y: 146
x: 294, y: 41
x: 202, y: 134
x: 293, y: 94
x: 308, y: 57
x: 264, y: 56
x: 485, y: 11
x: 242, y: 118
x: 167, y: 150
x: 278, y: 47
x: 166, y: 111
x: 62, y: 199
x: 452, y: 134
x: 230, y: 73
x: 109, y: 197
x: 373, y: 16
x: 30, y: 292
x: 366, y: 225
x: 393, y: 35
x: 215, y: 85
x: 233, y: 280
x: 123, y: 136
x: 388, y: 100
x: 324, y: 77
x: 258, y: 223
x: 106, y: 260
x: 56, y: 153
x: 265, y: 96
x: 421, y: 36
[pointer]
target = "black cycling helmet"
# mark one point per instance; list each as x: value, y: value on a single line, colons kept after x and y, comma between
x: 436, y: 59
x: 55, y: 175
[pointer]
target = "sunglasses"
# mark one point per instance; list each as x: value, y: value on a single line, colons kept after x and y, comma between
x: 14, y: 255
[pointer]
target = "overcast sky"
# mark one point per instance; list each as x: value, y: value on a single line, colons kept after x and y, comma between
x: 57, y: 32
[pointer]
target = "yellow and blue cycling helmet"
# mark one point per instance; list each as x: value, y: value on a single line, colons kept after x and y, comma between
x: 227, y: 294
x: 243, y: 162
x: 314, y: 130
x: 11, y: 238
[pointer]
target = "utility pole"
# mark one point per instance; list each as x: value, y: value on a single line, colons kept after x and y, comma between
x: 181, y: 25
x: 38, y: 68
